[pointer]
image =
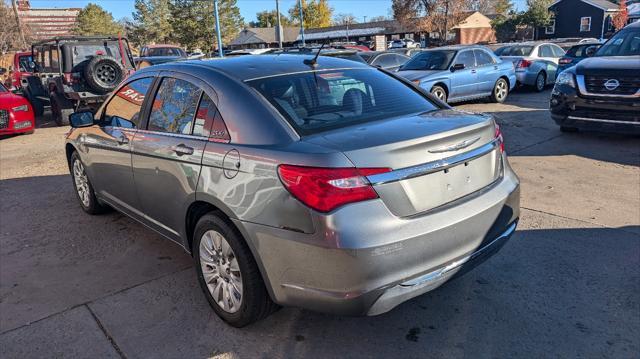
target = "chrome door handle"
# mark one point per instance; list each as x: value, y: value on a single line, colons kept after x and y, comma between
x: 473, y: 71
x: 495, y: 67
x: 182, y: 149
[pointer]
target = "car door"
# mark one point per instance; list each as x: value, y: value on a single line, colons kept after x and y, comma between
x: 464, y: 82
x: 167, y: 155
x: 487, y: 70
x: 108, y: 159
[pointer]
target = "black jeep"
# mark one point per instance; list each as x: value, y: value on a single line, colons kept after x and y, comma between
x: 76, y: 72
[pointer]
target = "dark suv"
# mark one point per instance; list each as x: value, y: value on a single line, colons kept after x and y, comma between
x: 76, y: 72
x: 602, y: 92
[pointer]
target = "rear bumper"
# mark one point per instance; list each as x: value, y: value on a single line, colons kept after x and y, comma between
x: 526, y: 77
x: 363, y: 260
x: 609, y: 114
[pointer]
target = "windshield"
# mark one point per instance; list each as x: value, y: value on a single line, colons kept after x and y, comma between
x: 322, y: 100
x: 520, y: 50
x: 430, y: 60
x: 166, y: 51
x: 86, y: 52
x: 2, y: 88
x: 24, y: 61
x: 624, y: 43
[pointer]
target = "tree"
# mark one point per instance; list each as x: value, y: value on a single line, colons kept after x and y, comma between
x: 344, y: 19
x: 537, y: 14
x: 9, y: 31
x: 502, y: 7
x: 269, y: 19
x: 193, y: 23
x: 317, y: 13
x: 430, y: 15
x: 152, y: 22
x: 620, y: 19
x: 378, y: 18
x: 94, y: 20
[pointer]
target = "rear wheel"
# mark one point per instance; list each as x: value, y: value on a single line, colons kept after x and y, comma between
x: 439, y: 92
x: 83, y: 187
x: 541, y: 82
x: 61, y: 108
x: 500, y: 91
x: 228, y: 273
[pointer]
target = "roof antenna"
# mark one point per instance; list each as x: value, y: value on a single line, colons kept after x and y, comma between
x: 314, y: 62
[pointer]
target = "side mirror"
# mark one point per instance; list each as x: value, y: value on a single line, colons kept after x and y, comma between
x: 81, y: 119
x: 457, y: 67
x: 3, y: 71
x: 590, y: 51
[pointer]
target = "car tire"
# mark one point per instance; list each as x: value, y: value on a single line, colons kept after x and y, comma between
x: 103, y: 73
x: 61, y: 108
x: 84, y: 190
x: 500, y: 91
x: 222, y: 256
x: 439, y: 92
x: 541, y: 82
x: 567, y: 129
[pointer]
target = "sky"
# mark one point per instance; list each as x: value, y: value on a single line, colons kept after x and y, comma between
x: 248, y: 8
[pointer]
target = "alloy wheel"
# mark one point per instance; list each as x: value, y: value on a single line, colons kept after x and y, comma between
x: 540, y: 82
x: 440, y: 94
x: 82, y: 182
x: 501, y: 90
x: 221, y: 271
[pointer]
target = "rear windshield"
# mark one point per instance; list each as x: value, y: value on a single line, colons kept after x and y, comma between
x: 24, y: 61
x: 430, y: 60
x: 165, y: 51
x: 624, y: 43
x: 580, y: 50
x: 322, y: 100
x: 82, y: 53
x: 521, y: 50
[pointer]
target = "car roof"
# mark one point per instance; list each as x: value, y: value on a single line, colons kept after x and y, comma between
x: 249, y: 67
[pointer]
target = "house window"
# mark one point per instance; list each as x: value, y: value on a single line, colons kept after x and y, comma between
x: 551, y: 27
x: 585, y: 24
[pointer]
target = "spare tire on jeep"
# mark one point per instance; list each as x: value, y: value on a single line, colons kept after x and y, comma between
x: 103, y: 73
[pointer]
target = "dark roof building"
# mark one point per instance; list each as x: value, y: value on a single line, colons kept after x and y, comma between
x: 263, y: 37
x: 580, y: 19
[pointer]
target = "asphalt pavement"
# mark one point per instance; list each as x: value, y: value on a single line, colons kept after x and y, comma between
x: 566, y: 285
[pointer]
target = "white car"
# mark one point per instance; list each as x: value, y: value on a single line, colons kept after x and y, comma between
x: 406, y: 43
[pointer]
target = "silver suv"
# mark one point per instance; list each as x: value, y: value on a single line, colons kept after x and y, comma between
x: 327, y: 184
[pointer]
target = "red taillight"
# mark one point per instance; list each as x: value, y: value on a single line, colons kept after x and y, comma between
x: 522, y: 64
x: 565, y: 60
x: 325, y: 189
x: 499, y: 137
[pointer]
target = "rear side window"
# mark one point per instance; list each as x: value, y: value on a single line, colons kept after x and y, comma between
x: 317, y: 101
x: 123, y: 110
x: 557, y: 51
x: 208, y: 121
x: 483, y: 58
x: 466, y: 58
x: 174, y: 106
x: 545, y: 51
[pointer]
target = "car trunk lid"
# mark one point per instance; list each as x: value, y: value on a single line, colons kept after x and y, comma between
x: 427, y: 154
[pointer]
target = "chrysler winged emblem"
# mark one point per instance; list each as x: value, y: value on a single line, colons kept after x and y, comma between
x: 455, y: 147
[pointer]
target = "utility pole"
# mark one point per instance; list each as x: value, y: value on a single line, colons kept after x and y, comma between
x: 215, y: 11
x: 446, y: 15
x: 279, y: 28
x: 365, y: 18
x: 301, y: 22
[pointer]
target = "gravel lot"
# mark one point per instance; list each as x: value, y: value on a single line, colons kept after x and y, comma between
x: 567, y: 285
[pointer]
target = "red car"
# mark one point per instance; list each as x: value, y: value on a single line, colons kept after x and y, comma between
x: 16, y: 113
x: 20, y: 68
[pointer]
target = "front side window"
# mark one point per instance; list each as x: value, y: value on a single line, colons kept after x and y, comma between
x: 430, y: 60
x: 174, y: 106
x: 385, y: 61
x: 23, y: 62
x: 467, y: 59
x: 124, y: 108
x: 585, y: 24
x: 483, y: 58
x: 313, y: 102
x: 624, y: 43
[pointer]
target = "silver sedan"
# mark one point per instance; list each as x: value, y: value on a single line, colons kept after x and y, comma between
x: 325, y: 184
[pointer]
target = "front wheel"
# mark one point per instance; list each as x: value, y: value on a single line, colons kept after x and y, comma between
x: 228, y: 273
x: 83, y: 187
x: 439, y: 92
x: 500, y: 91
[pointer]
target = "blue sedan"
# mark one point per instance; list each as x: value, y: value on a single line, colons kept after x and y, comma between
x: 460, y: 73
